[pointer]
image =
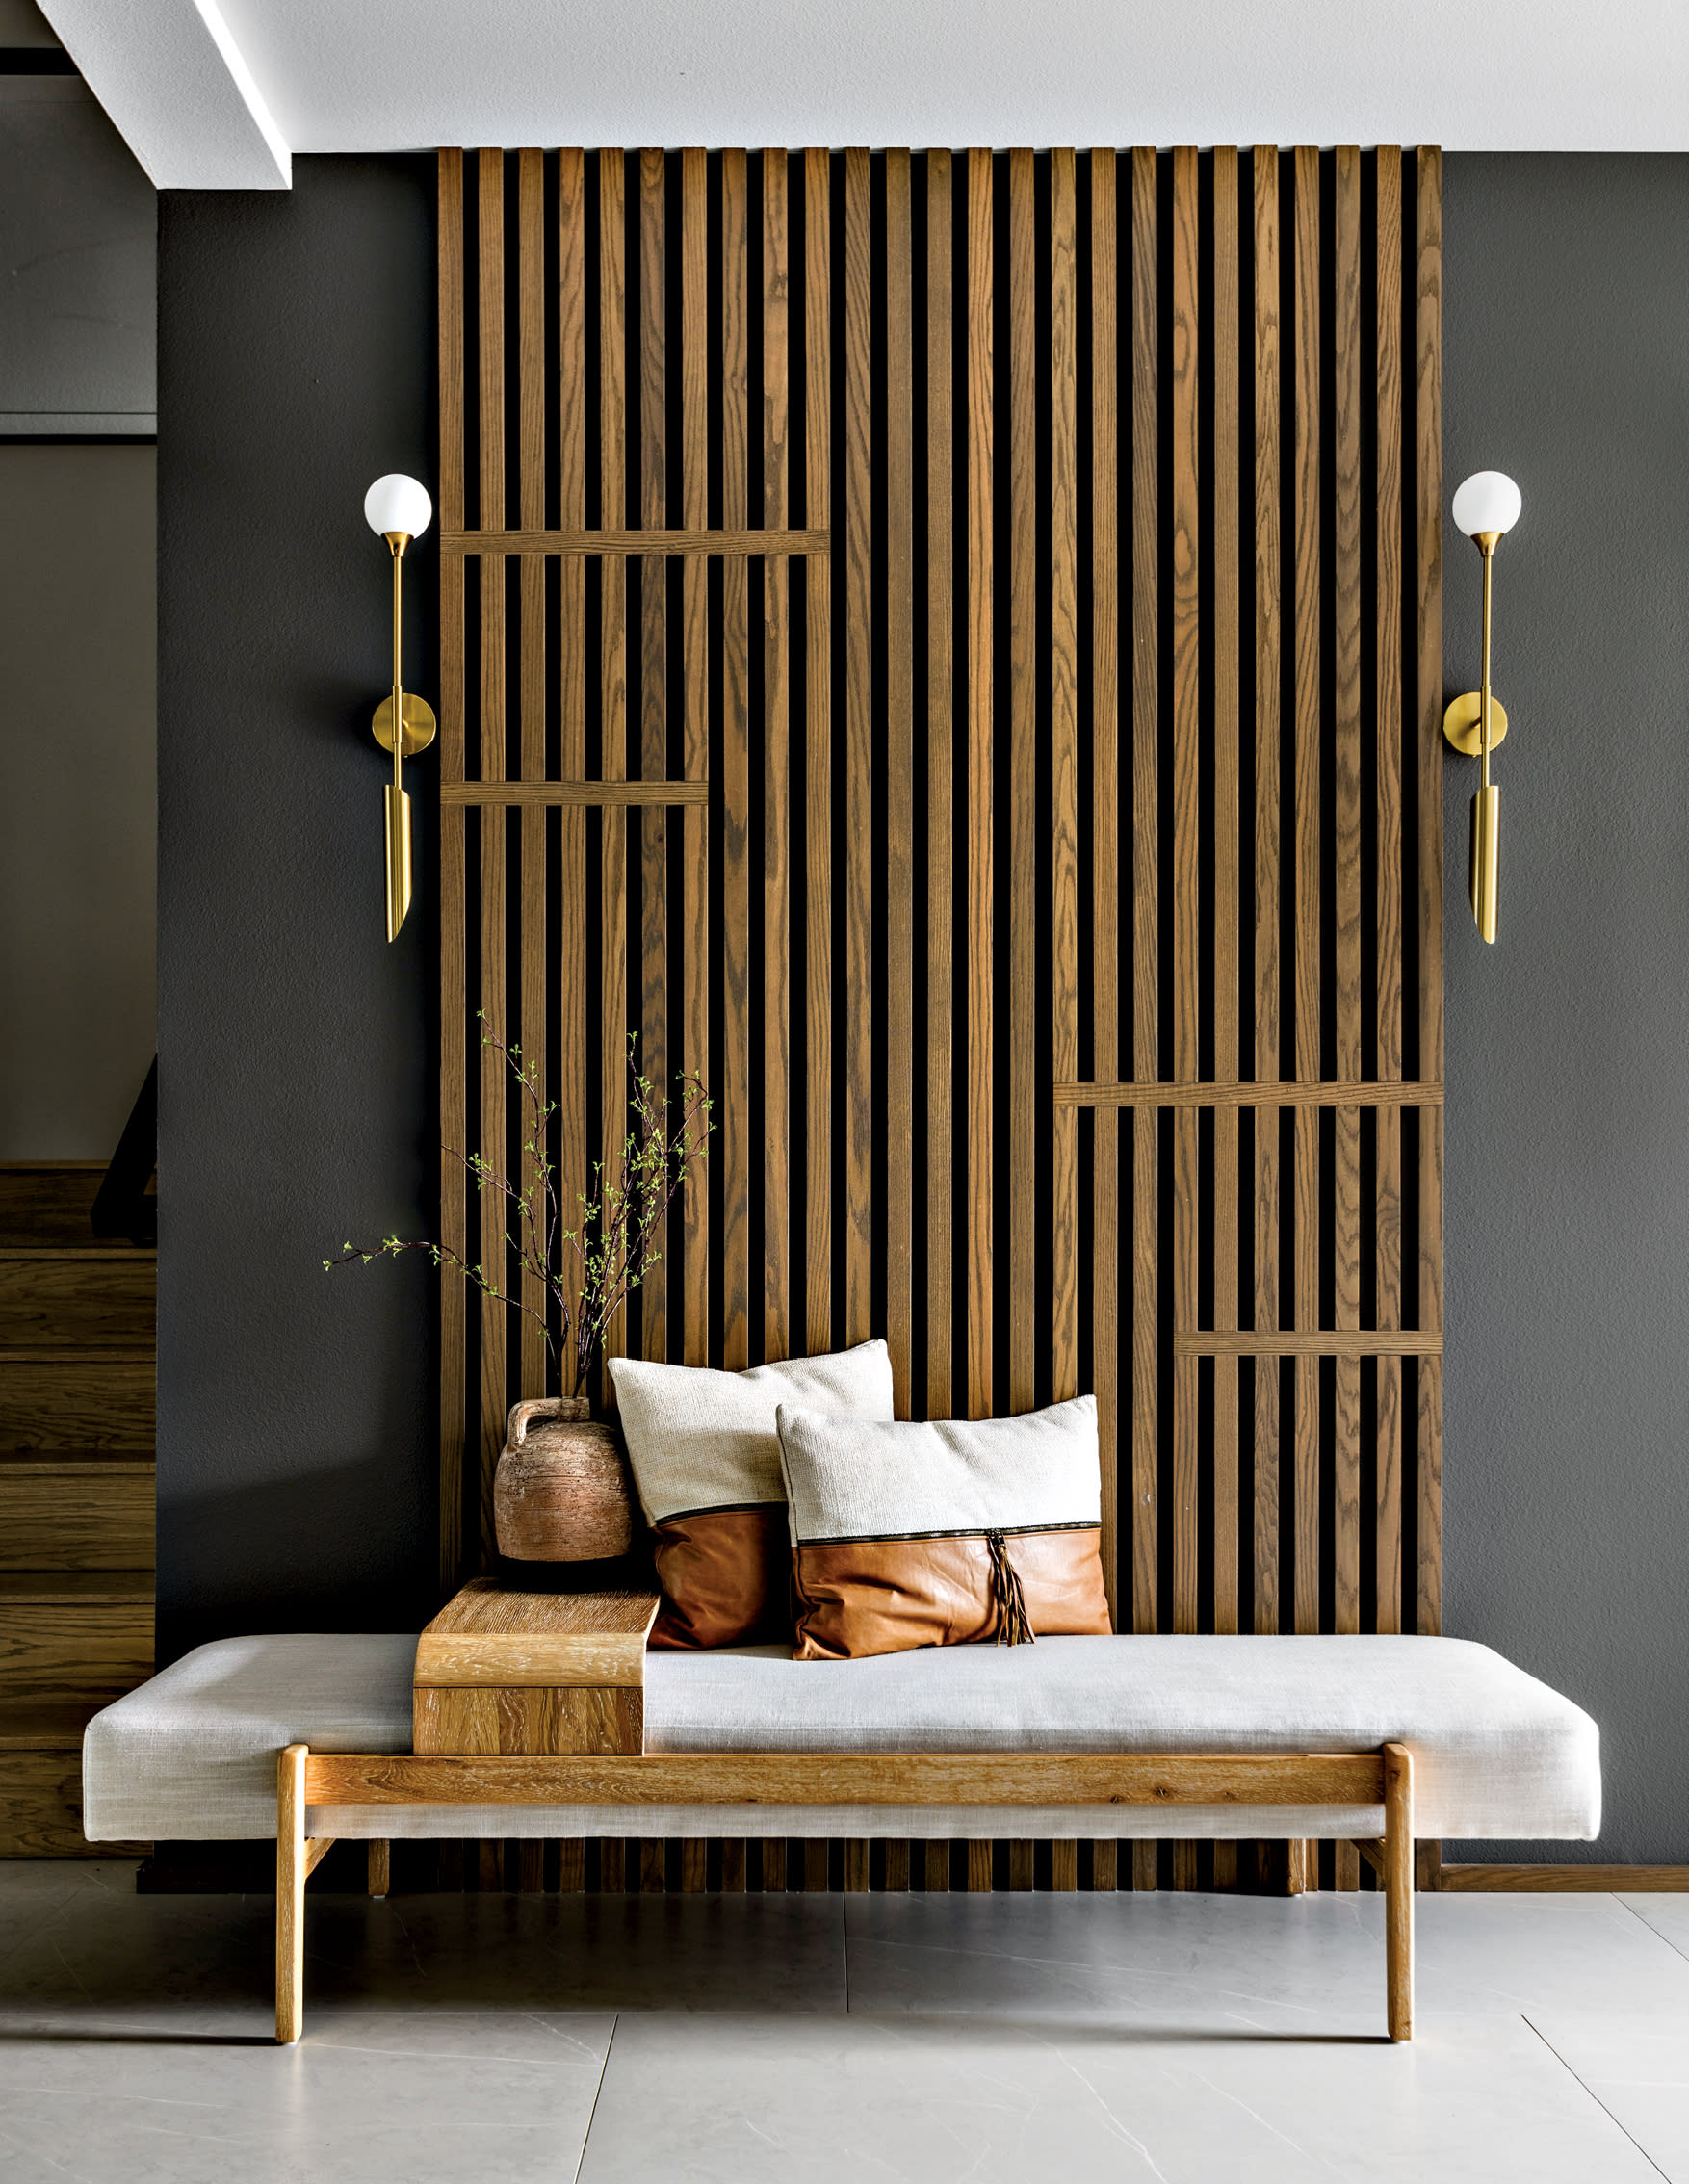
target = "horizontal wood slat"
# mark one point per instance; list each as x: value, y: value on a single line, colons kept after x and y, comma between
x: 1291, y: 1095
x: 572, y: 794
x: 626, y: 544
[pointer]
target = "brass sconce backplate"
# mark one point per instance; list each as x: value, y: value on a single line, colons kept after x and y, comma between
x: 419, y: 724
x: 1460, y: 724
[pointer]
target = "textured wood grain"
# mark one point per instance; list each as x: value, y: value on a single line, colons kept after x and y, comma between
x: 53, y: 1399
x: 898, y: 1222
x: 828, y: 1777
x: 461, y: 1719
x: 77, y: 1513
x: 1313, y: 1342
x: 291, y: 1871
x: 818, y: 768
x: 650, y: 541
x: 74, y: 1634
x: 1205, y: 1092
x: 1307, y: 792
x: 530, y: 1028
x: 1064, y: 764
x: 982, y: 928
x: 492, y: 1138
x: 1227, y: 560
x: 615, y: 1021
x: 1028, y: 965
x: 1345, y: 853
x: 1388, y: 777
x: 1268, y: 867
x: 1146, y: 888
x: 568, y: 967
x: 940, y: 1395
x: 1184, y: 905
x: 40, y: 1805
x: 1428, y: 519
x: 453, y: 967
x: 654, y: 760
x: 695, y: 940
x: 493, y: 1632
x: 778, y: 1303
x: 1105, y: 891
x: 578, y: 796
x: 733, y: 1150
x: 858, y: 1207
x: 86, y: 1299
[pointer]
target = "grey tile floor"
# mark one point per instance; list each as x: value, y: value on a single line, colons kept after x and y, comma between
x: 1008, y: 2039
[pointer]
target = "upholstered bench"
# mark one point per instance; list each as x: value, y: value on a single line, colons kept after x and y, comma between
x: 1370, y: 1739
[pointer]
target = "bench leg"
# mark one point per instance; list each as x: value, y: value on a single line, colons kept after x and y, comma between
x: 291, y: 1871
x: 1398, y: 1890
x: 381, y: 1865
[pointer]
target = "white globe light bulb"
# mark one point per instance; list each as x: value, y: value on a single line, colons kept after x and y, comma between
x: 1487, y: 500
x: 396, y: 502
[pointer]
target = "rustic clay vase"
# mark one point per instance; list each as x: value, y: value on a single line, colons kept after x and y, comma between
x: 562, y: 1492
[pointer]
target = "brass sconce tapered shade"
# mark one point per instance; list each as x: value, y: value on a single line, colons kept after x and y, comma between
x: 400, y: 509
x: 1486, y: 507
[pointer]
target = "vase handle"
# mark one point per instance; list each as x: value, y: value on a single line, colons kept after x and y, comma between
x: 521, y: 1414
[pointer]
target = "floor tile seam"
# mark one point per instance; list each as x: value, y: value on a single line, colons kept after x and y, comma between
x: 1649, y: 1924
x: 597, y: 2095
x: 1577, y: 2078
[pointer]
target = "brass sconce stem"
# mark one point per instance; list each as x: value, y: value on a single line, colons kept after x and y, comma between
x: 397, y: 801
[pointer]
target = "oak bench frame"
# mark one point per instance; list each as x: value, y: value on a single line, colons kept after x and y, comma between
x: 1137, y: 1779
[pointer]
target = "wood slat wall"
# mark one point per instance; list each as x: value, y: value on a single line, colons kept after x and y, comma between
x: 948, y: 645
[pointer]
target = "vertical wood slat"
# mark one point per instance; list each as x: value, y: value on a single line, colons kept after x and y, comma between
x: 571, y: 967
x: 1428, y: 523
x: 818, y: 584
x: 530, y: 1031
x: 1146, y: 1302
x: 1225, y: 563
x: 1146, y: 881
x: 694, y: 879
x: 857, y: 1211
x: 1062, y: 498
x: 1105, y: 844
x: 495, y: 1393
x: 1184, y: 907
x: 981, y: 827
x: 939, y: 1389
x: 1028, y: 968
x: 453, y: 935
x: 1345, y: 501
x: 1268, y: 966
x: 653, y: 819
x: 613, y: 487
x: 898, y: 1222
x: 733, y: 1148
x: 1345, y: 853
x: 1306, y: 792
x: 776, y: 844
x: 1388, y: 1218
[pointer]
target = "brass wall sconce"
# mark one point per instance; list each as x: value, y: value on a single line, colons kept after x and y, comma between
x: 399, y: 508
x: 1485, y: 508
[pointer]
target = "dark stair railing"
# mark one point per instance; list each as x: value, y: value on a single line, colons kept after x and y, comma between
x: 123, y: 1206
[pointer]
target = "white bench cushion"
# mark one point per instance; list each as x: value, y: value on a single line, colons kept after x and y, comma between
x: 192, y: 1754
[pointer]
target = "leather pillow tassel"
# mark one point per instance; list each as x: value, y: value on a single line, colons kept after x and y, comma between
x: 1013, y: 1627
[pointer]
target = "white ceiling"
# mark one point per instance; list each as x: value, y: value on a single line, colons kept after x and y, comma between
x: 215, y: 94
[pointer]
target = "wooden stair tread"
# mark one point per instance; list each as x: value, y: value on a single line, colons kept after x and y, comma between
x: 77, y: 1588
x: 45, y: 1725
x: 58, y: 1459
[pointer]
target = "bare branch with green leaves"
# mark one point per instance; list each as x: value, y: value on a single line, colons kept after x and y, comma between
x: 586, y: 1272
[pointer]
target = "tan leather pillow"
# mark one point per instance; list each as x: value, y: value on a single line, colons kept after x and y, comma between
x: 706, y: 1460
x: 943, y: 1534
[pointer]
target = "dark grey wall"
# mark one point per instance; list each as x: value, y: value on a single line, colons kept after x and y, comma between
x: 1566, y: 347
x: 295, y: 1417
x: 296, y: 1423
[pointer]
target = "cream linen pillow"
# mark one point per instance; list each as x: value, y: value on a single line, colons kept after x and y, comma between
x: 705, y: 1454
x: 943, y: 1534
